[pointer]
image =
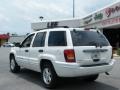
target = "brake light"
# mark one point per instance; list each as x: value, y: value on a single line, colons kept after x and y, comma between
x: 69, y: 55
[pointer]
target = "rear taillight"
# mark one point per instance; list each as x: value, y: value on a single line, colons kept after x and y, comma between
x: 69, y: 55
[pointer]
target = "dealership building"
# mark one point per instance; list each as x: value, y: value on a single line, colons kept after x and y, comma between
x: 108, y: 21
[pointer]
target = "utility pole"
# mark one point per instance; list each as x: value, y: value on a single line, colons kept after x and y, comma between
x: 73, y: 8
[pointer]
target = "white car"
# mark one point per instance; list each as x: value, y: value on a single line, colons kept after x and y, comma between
x: 63, y: 52
x: 8, y: 44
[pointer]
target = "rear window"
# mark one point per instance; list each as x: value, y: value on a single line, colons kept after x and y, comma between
x: 57, y: 38
x: 88, y: 38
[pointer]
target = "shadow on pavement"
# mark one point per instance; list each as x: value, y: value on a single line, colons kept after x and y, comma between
x: 65, y: 83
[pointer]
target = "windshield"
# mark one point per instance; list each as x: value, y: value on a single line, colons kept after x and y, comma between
x: 88, y: 38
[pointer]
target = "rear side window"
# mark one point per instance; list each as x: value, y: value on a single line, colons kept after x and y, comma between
x: 39, y: 40
x: 57, y: 38
x: 88, y: 38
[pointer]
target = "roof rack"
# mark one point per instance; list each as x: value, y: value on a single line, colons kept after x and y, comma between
x: 73, y: 23
x: 51, y: 28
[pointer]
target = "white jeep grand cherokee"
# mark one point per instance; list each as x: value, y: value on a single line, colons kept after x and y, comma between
x: 63, y: 52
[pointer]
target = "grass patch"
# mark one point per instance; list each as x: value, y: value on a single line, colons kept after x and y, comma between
x: 118, y: 51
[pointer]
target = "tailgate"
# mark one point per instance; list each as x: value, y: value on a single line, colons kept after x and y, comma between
x: 91, y: 47
x: 92, y: 56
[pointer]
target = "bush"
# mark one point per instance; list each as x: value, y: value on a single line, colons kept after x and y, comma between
x: 118, y: 51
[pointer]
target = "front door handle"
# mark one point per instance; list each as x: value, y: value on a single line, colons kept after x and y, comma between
x: 26, y: 50
x: 40, y: 50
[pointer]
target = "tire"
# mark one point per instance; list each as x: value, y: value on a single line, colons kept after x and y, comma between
x: 91, y: 78
x: 49, y: 76
x: 14, y: 68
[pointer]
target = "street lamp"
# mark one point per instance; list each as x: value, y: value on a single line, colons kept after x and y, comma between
x: 41, y: 18
x: 73, y: 8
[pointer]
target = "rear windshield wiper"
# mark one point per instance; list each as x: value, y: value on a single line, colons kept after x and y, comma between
x: 93, y: 43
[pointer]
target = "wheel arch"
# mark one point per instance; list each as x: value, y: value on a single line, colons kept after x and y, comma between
x: 11, y: 55
x: 46, y: 58
x: 43, y: 61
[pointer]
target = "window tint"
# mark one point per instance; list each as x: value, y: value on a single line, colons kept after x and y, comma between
x: 88, y: 38
x: 57, y: 38
x: 27, y: 41
x: 39, y: 40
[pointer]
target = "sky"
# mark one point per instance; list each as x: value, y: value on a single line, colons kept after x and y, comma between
x: 16, y: 16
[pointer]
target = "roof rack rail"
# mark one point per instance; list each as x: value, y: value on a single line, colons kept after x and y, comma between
x: 59, y: 27
x: 52, y: 27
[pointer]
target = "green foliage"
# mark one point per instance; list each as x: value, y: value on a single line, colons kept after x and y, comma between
x: 118, y: 51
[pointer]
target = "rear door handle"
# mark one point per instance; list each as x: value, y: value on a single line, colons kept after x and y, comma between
x: 40, y: 50
x: 26, y: 50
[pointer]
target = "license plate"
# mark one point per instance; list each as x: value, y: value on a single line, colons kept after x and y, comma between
x: 95, y: 55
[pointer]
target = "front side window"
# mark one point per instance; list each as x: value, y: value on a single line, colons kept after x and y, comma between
x: 57, y: 38
x: 39, y: 40
x: 88, y: 38
x: 27, y: 41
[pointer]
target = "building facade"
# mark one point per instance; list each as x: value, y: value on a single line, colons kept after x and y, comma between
x: 108, y: 21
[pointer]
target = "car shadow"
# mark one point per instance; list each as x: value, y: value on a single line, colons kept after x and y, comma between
x: 65, y: 83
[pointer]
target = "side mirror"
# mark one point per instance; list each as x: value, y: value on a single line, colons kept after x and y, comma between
x: 17, y: 45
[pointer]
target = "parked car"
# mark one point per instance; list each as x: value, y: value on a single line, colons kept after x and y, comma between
x: 8, y: 44
x: 63, y: 52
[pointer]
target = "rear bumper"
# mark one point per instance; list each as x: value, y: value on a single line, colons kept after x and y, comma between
x: 74, y: 70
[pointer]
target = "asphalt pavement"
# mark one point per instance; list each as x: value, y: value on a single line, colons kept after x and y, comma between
x: 30, y: 80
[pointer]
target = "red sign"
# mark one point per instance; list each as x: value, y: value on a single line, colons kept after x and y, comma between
x: 111, y: 21
x: 110, y: 11
x: 4, y: 36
